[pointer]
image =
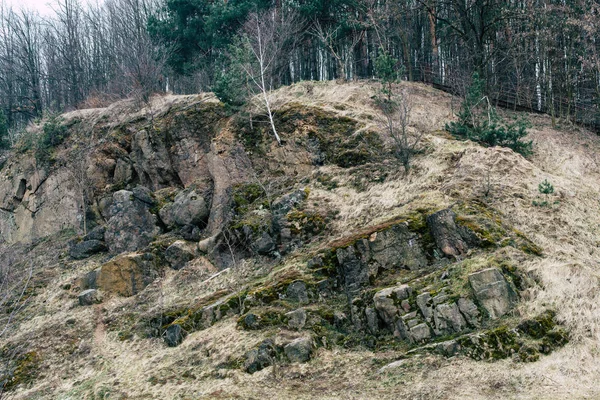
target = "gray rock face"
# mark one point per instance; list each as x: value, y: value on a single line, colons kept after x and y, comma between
x: 174, y: 335
x: 372, y: 320
x: 448, y: 319
x: 179, y: 253
x: 123, y: 172
x: 89, y: 297
x: 264, y: 244
x: 89, y: 280
x: 189, y: 208
x: 493, y: 292
x: 395, y: 247
x: 299, y: 350
x: 128, y: 274
x: 446, y: 234
x: 131, y: 226
x: 86, y: 249
x: 424, y: 302
x: 420, y: 333
x: 296, y: 291
x: 261, y: 357
x: 96, y: 234
x: 144, y: 195
x: 470, y: 311
x: 388, y: 305
x: 296, y: 319
x: 190, y: 233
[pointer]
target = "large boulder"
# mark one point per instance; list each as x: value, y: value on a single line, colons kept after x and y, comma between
x: 86, y: 249
x: 448, y: 319
x: 131, y: 226
x: 297, y: 291
x: 179, y: 253
x: 174, y: 335
x: 493, y: 292
x: 299, y: 350
x: 392, y: 248
x: 261, y: 357
x: 296, y: 319
x: 89, y: 297
x: 389, y: 303
x: 446, y: 234
x: 128, y: 274
x: 188, y: 208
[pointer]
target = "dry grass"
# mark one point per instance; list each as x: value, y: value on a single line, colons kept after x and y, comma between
x: 83, y: 359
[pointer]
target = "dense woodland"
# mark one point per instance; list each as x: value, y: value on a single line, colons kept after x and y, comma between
x: 538, y: 54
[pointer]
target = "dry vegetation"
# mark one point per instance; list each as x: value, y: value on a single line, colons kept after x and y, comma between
x: 82, y: 356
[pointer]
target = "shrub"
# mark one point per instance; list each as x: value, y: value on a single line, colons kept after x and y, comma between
x: 478, y: 121
x: 546, y: 189
x: 53, y: 134
x: 4, y: 140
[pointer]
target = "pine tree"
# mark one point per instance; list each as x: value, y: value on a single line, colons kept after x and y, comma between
x: 4, y: 139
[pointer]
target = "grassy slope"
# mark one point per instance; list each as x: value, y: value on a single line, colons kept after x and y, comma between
x: 98, y: 364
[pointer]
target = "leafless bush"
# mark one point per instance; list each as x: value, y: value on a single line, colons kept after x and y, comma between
x: 395, y: 108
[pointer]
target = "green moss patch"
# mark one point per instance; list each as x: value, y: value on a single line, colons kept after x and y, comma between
x: 25, y: 371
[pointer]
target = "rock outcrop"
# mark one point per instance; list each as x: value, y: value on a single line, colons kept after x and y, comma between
x: 131, y: 226
x: 493, y: 292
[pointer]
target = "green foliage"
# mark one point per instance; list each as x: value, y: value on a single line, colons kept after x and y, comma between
x: 478, y: 121
x: 229, y: 88
x: 53, y: 134
x: 231, y: 84
x: 385, y: 67
x: 4, y: 141
x: 545, y: 188
x: 197, y: 29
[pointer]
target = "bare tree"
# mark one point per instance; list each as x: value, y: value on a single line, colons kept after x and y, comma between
x: 266, y: 37
x: 395, y: 112
x: 329, y: 38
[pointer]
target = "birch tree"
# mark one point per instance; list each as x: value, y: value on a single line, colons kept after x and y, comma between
x: 267, y: 36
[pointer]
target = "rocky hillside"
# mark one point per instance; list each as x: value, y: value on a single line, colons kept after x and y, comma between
x: 177, y: 252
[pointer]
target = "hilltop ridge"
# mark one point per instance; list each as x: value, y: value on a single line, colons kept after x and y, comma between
x: 179, y: 252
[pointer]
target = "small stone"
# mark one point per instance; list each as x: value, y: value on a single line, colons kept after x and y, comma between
x: 299, y: 350
x: 405, y: 305
x: 296, y: 319
x: 174, y: 335
x: 410, y: 315
x: 392, y: 366
x: 296, y: 291
x: 89, y: 297
x: 264, y: 245
x: 440, y: 298
x: 448, y: 348
x: 412, y: 322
